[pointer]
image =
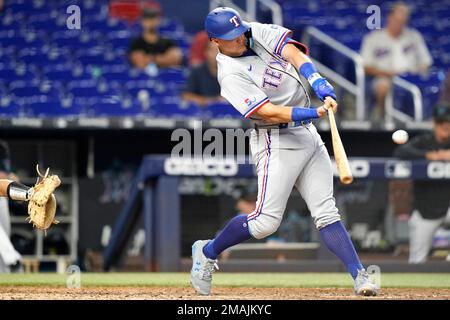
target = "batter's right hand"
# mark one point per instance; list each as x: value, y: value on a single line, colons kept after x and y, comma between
x: 329, y: 103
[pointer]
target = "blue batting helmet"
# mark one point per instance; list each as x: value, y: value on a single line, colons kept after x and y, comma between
x: 225, y: 23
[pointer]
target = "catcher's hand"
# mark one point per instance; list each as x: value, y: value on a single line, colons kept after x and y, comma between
x: 42, y: 203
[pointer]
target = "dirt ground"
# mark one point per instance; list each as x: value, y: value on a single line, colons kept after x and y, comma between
x: 168, y: 293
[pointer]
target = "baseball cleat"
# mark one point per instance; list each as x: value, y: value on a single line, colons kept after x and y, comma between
x: 364, y: 285
x: 202, y: 268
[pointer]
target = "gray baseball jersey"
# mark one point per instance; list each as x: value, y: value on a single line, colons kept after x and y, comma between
x: 285, y: 158
x: 250, y: 81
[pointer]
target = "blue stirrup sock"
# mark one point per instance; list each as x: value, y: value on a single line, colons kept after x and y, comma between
x: 236, y: 231
x: 338, y: 241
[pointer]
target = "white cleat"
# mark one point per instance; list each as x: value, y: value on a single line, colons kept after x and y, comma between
x: 364, y: 285
x: 202, y: 268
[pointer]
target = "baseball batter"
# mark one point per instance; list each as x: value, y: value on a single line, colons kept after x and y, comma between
x: 259, y: 68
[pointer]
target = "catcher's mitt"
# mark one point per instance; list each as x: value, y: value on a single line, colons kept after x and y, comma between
x: 42, y: 203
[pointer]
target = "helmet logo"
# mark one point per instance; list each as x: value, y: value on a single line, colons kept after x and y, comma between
x: 235, y: 21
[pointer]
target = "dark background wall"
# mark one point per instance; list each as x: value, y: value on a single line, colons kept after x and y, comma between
x: 117, y: 154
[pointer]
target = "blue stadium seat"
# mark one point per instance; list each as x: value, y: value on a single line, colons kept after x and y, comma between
x: 36, y: 57
x: 14, y: 41
x: 9, y: 108
x: 133, y: 87
x: 6, y: 59
x: 429, y: 86
x: 139, y: 74
x: 156, y: 91
x: 172, y: 107
x: 114, y: 106
x: 8, y: 22
x: 46, y: 107
x: 83, y: 88
x: 108, y: 25
x: 45, y: 23
x: 21, y: 89
x: 221, y: 110
x: 74, y: 40
x: 120, y: 75
x: 168, y: 25
x: 84, y: 91
x: 119, y: 39
x: 20, y: 72
x: 92, y: 59
x: 95, y: 56
x: 171, y: 75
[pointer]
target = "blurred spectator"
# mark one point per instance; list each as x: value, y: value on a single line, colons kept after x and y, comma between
x: 10, y: 259
x: 202, y: 86
x: 150, y: 49
x: 445, y: 93
x: 431, y: 197
x: 393, y: 51
x: 2, y: 4
x: 246, y: 203
x: 130, y: 10
x: 197, y: 53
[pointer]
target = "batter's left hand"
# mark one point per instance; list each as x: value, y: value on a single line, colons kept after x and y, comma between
x: 323, y: 89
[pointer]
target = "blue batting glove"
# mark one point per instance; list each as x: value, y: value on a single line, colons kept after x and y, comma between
x: 323, y: 89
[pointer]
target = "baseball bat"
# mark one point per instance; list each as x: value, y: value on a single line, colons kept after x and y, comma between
x: 345, y: 174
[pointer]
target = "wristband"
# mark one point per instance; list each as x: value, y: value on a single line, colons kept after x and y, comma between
x: 300, y: 114
x: 17, y: 191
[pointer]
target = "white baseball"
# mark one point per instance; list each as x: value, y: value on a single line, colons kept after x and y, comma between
x: 400, y: 136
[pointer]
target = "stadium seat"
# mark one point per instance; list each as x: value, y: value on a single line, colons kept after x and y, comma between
x: 168, y: 25
x: 172, y: 107
x: 85, y: 88
x: 115, y: 106
x: 34, y: 44
x: 51, y: 108
x: 22, y: 88
x: 74, y: 40
x: 65, y: 73
x: 20, y: 72
x: 119, y: 39
x: 133, y: 87
x: 35, y: 57
x: 95, y: 56
x: 5, y: 59
x: 173, y: 76
x: 14, y: 41
x: 221, y: 110
x: 9, y: 108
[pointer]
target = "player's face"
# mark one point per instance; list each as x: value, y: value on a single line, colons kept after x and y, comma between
x: 232, y: 48
x: 150, y: 24
x: 442, y: 131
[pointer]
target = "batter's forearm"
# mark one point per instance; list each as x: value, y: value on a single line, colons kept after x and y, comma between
x: 294, y: 56
x: 282, y: 114
x: 14, y: 190
x: 4, y: 187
